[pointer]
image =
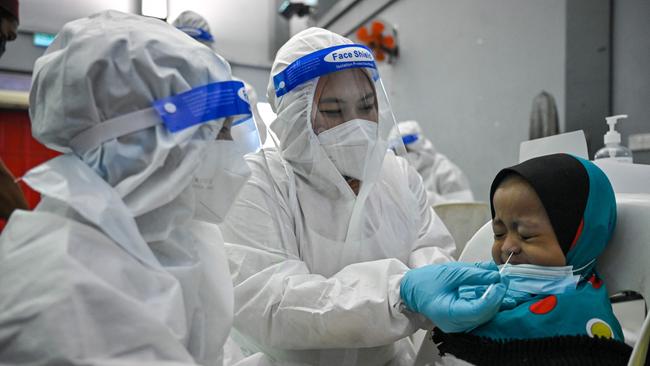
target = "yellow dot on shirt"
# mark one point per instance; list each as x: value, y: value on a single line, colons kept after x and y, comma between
x: 599, y: 328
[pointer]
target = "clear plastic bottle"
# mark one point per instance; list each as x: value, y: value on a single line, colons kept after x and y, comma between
x: 613, y: 149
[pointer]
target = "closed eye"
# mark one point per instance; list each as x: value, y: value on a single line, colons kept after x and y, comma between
x: 331, y: 113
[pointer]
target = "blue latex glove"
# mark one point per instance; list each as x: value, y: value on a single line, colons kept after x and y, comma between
x: 433, y: 291
x: 510, y: 301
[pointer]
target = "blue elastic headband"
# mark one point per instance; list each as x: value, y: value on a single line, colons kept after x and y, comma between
x: 197, y: 33
x: 409, y: 139
x: 323, y: 62
x: 205, y: 103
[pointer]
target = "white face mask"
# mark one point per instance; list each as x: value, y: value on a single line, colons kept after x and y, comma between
x: 348, y: 145
x: 540, y: 280
x: 217, y: 183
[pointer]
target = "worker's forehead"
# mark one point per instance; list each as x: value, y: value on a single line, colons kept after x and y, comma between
x: 346, y: 84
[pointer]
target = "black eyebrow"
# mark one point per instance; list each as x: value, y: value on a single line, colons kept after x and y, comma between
x: 340, y: 101
x: 368, y: 97
x: 330, y: 100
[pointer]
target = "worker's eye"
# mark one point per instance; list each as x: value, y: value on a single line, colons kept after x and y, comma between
x: 331, y: 112
x: 499, y: 235
x: 366, y: 108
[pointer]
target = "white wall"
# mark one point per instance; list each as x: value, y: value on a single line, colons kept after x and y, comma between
x: 241, y: 28
x: 631, y: 69
x: 50, y: 15
x: 246, y: 32
x: 469, y: 70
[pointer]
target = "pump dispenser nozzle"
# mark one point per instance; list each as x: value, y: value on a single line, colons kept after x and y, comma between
x: 612, y: 136
x: 613, y: 149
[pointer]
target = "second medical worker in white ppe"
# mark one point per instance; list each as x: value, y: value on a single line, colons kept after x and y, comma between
x: 443, y: 180
x: 323, y: 232
x: 197, y: 27
x: 110, y: 268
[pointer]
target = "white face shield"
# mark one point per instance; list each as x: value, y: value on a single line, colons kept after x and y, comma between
x: 224, y: 172
x: 335, y: 128
x: 208, y: 104
x: 190, y: 120
x: 350, y: 115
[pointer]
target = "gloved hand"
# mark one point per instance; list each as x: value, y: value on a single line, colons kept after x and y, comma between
x: 433, y: 291
x: 510, y: 301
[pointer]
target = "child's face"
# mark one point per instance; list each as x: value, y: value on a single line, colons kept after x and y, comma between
x: 522, y: 227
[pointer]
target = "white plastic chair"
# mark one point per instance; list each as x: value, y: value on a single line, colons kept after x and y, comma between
x: 624, y: 266
x: 462, y: 219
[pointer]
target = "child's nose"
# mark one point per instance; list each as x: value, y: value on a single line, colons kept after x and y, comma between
x: 510, y: 245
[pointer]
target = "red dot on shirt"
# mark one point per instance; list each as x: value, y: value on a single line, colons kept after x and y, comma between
x: 595, y: 282
x: 544, y: 306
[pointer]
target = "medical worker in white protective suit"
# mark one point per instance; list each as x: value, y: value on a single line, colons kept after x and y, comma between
x: 443, y: 180
x: 110, y: 268
x: 323, y: 232
x: 197, y: 27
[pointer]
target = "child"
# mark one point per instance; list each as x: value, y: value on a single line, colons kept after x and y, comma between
x: 548, y: 213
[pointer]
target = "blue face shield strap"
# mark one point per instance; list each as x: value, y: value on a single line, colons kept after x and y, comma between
x: 205, y: 103
x: 322, y: 62
x: 199, y: 105
x: 197, y: 33
x: 409, y: 139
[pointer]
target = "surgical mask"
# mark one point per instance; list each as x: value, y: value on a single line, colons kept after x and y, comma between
x: 539, y: 280
x: 222, y: 174
x: 348, y: 146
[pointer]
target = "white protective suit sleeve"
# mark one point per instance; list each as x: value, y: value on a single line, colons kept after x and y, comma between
x: 281, y: 304
x: 74, y: 273
x: 447, y: 182
x: 450, y: 182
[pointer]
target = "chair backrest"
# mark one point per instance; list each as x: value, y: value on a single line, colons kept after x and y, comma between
x: 462, y: 219
x: 479, y: 247
x: 625, y: 264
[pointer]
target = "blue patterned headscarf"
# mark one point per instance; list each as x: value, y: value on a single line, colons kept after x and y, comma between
x: 587, y: 310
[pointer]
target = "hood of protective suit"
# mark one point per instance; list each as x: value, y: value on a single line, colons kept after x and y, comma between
x: 109, y: 65
x: 315, y: 180
x: 421, y: 146
x: 301, y: 44
x: 420, y: 152
x: 313, y: 176
x: 195, y: 26
x: 299, y: 145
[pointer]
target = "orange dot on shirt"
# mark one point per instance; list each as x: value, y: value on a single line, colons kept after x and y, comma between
x: 544, y: 306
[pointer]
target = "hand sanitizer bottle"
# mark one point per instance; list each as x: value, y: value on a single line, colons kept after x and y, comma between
x: 613, y: 149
